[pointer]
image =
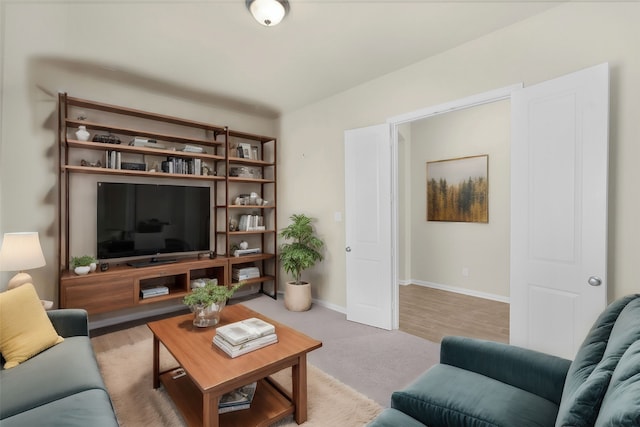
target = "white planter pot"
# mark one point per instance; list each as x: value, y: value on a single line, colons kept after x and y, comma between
x: 81, y: 271
x: 297, y: 297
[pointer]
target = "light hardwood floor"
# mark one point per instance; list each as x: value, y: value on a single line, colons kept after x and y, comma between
x: 433, y: 313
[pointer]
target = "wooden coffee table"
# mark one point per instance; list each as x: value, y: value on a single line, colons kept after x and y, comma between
x: 210, y: 373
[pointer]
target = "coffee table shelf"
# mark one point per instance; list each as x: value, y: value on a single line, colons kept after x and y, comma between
x: 269, y: 404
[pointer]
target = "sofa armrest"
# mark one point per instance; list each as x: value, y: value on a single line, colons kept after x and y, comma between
x: 70, y: 322
x: 535, y: 372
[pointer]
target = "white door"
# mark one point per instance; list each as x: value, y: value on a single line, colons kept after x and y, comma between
x: 559, y: 159
x: 368, y: 225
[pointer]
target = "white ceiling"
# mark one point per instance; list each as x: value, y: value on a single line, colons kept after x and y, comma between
x: 322, y: 47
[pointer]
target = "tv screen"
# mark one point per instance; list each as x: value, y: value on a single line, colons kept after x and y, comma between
x: 148, y: 219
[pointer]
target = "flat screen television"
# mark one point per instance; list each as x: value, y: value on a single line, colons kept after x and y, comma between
x: 135, y: 220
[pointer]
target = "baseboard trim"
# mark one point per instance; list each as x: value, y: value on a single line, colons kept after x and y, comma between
x: 321, y: 303
x: 458, y: 290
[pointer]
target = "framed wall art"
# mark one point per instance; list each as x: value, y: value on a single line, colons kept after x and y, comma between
x: 458, y: 189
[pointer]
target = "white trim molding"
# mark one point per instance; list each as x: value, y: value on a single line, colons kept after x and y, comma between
x: 457, y: 290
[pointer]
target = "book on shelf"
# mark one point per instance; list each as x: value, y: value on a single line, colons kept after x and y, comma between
x: 237, y: 399
x: 240, y: 252
x: 193, y: 149
x: 245, y: 330
x: 246, y: 347
x: 113, y: 159
x: 154, y: 292
x: 182, y: 166
x: 245, y: 273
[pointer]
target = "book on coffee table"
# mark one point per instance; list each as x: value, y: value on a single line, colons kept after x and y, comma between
x: 246, y: 347
x: 245, y: 330
x: 237, y: 399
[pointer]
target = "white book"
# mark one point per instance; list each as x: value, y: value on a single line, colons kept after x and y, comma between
x: 245, y: 330
x: 247, y: 347
x: 193, y: 149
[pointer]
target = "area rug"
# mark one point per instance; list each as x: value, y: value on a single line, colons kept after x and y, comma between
x: 127, y: 373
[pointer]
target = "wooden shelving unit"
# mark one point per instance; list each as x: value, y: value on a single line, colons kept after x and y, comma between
x: 263, y: 160
x: 119, y: 287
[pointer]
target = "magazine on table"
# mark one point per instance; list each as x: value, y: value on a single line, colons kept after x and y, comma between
x: 237, y: 399
x: 245, y: 330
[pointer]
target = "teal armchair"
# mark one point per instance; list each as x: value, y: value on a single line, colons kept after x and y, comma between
x: 487, y: 384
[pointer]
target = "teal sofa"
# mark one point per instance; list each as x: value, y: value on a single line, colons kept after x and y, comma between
x: 61, y: 386
x: 482, y: 383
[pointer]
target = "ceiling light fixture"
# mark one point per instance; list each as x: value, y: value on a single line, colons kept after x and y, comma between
x: 268, y: 12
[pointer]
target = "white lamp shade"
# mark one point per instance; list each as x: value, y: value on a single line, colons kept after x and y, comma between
x: 21, y: 251
x: 267, y: 12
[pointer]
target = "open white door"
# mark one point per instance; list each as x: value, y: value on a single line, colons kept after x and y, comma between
x: 559, y: 163
x: 368, y: 225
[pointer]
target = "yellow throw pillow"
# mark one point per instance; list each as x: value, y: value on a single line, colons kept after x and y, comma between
x: 25, y: 328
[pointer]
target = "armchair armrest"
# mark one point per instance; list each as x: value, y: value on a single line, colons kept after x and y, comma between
x: 535, y: 372
x: 70, y: 322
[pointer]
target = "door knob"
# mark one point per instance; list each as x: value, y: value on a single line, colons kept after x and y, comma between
x: 348, y: 249
x: 595, y: 281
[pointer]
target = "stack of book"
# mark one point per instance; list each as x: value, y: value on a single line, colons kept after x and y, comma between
x: 237, y: 399
x: 154, y: 292
x: 245, y: 273
x: 244, y: 336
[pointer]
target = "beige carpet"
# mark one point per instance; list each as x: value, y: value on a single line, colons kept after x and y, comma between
x: 127, y: 374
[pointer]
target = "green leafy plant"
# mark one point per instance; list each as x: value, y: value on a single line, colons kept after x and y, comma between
x: 304, y: 250
x: 82, y: 261
x: 209, y: 294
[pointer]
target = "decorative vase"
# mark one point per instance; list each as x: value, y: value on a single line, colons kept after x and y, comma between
x: 82, y: 270
x: 82, y: 134
x: 297, y: 297
x: 207, y: 315
x: 92, y: 267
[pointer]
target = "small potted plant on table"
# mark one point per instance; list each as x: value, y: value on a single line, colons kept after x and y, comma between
x: 302, y: 253
x: 207, y: 303
x: 83, y: 264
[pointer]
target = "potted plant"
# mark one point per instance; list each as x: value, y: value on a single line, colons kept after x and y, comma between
x: 207, y: 302
x: 296, y: 256
x: 83, y: 264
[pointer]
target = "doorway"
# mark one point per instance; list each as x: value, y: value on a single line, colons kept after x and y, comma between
x: 452, y: 256
x: 468, y: 260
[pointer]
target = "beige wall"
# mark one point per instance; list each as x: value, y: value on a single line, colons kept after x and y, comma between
x: 40, y: 59
x: 567, y: 38
x: 441, y: 250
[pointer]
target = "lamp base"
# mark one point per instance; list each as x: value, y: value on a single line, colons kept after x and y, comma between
x: 19, y: 279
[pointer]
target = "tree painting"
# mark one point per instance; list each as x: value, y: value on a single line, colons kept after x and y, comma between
x: 458, y: 190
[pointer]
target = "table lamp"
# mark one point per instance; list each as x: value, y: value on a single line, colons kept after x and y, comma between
x: 19, y: 252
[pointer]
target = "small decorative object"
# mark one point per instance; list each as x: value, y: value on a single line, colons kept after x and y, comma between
x: 233, y: 224
x: 82, y: 134
x: 206, y: 303
x: 83, y: 264
x: 244, y: 245
x: 298, y: 256
x: 97, y: 164
x: 106, y: 139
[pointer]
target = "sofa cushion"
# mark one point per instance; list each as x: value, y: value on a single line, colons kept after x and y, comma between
x: 87, y: 408
x: 591, y: 371
x: 448, y: 396
x: 621, y: 405
x: 393, y: 418
x: 25, y: 328
x: 65, y: 369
